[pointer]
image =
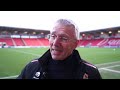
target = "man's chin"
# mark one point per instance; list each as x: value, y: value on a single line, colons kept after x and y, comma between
x: 56, y: 58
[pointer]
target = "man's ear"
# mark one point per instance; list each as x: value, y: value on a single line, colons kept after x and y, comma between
x: 77, y: 43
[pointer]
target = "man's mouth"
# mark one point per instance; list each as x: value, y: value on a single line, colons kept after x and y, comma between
x: 56, y: 51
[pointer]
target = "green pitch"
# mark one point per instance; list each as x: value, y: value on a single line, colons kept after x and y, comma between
x: 13, y: 60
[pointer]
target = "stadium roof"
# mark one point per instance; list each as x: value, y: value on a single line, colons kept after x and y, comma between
x: 13, y: 29
x: 44, y: 20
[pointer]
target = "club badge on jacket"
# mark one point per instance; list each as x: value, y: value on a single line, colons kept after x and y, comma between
x: 85, y: 76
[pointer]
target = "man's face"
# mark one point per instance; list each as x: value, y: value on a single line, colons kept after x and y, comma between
x: 62, y: 42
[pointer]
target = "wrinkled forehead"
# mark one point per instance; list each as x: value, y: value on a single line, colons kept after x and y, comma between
x: 62, y: 29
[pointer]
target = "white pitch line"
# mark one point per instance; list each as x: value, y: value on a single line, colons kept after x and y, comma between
x: 110, y: 66
x: 25, y: 52
x: 107, y: 63
x: 115, y: 71
x: 8, y: 77
x: 106, y: 68
x: 20, y: 52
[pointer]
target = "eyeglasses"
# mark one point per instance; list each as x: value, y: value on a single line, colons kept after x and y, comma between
x: 61, y: 38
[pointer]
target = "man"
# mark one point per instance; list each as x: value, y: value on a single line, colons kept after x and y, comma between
x: 62, y: 60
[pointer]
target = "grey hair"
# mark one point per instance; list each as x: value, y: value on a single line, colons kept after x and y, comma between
x: 68, y: 22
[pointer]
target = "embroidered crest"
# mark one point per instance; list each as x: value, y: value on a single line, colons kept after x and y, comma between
x: 37, y: 74
x: 85, y: 76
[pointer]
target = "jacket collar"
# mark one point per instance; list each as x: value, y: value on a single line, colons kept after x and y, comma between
x: 43, y: 60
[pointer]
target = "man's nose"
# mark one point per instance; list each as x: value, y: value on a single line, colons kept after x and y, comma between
x: 56, y: 41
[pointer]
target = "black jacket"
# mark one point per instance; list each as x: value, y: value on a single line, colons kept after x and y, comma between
x: 37, y: 69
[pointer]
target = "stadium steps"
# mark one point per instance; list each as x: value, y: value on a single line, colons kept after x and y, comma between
x: 13, y: 42
x: 24, y: 42
x: 41, y: 44
x: 103, y: 42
